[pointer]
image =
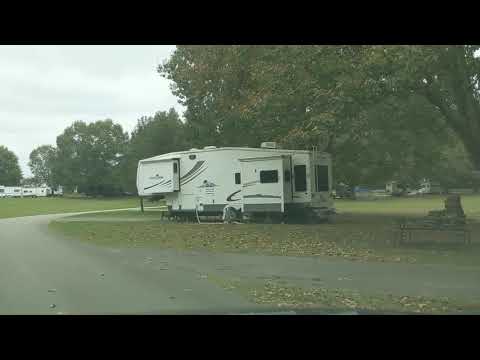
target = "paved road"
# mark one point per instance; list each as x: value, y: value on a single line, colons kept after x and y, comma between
x: 88, y: 280
x: 85, y: 279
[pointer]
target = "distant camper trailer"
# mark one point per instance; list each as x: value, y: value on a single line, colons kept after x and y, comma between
x: 28, y: 192
x: 57, y: 192
x: 36, y: 192
x: 13, y: 192
x: 429, y: 187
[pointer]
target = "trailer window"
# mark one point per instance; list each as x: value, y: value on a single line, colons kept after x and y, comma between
x: 268, y: 176
x: 287, y: 176
x: 2, y: 190
x: 300, y: 172
x: 238, y: 179
x: 321, y: 178
x: 175, y: 167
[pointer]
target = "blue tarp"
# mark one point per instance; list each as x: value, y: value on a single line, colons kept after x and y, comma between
x: 361, y: 189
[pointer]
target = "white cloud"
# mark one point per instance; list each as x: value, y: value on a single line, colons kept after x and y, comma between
x: 43, y: 89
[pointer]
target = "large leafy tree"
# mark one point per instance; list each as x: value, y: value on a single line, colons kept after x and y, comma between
x: 367, y: 105
x: 89, y: 155
x: 265, y: 92
x: 10, y: 172
x: 42, y: 163
x: 448, y: 77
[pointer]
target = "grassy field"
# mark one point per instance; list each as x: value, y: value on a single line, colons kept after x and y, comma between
x: 413, y: 206
x: 39, y: 206
x: 363, y: 232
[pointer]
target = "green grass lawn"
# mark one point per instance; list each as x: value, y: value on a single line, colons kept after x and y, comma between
x: 363, y: 232
x: 407, y: 206
x: 39, y: 206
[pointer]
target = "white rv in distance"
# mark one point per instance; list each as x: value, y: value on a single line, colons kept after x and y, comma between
x: 13, y: 191
x: 255, y: 182
x: 57, y: 192
x: 34, y: 192
x: 28, y: 192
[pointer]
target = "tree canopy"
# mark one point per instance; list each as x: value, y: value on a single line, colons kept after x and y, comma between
x: 10, y: 172
x: 89, y: 155
x: 42, y: 162
x: 382, y: 111
x: 162, y: 133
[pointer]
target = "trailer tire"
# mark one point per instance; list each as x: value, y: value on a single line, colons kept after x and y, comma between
x: 229, y: 215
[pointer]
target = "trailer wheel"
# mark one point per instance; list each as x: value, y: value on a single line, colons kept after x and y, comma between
x: 230, y: 215
x: 246, y: 217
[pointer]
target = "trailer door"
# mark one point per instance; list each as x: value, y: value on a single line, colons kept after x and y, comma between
x: 263, y: 184
x: 287, y: 179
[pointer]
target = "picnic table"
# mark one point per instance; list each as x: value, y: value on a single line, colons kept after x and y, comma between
x: 406, y: 229
x: 449, y: 220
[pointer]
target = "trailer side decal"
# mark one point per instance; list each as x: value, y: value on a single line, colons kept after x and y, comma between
x: 229, y: 198
x: 195, y: 176
x: 262, y: 196
x: 160, y: 183
x: 193, y: 169
x: 251, y: 183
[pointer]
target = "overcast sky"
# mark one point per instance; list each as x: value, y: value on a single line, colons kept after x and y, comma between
x: 43, y: 89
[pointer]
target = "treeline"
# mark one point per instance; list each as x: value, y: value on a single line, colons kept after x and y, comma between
x: 384, y: 112
x: 100, y: 158
x: 97, y: 158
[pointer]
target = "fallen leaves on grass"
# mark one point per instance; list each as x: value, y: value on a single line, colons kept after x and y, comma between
x: 349, y: 241
x: 272, y: 293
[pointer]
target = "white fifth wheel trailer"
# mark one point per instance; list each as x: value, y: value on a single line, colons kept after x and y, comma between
x: 253, y: 181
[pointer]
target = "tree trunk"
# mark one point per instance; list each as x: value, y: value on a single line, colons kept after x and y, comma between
x: 464, y: 123
x: 473, y: 148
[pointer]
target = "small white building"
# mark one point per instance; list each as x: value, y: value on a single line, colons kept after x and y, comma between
x: 57, y: 192
x: 430, y: 187
x: 393, y: 188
